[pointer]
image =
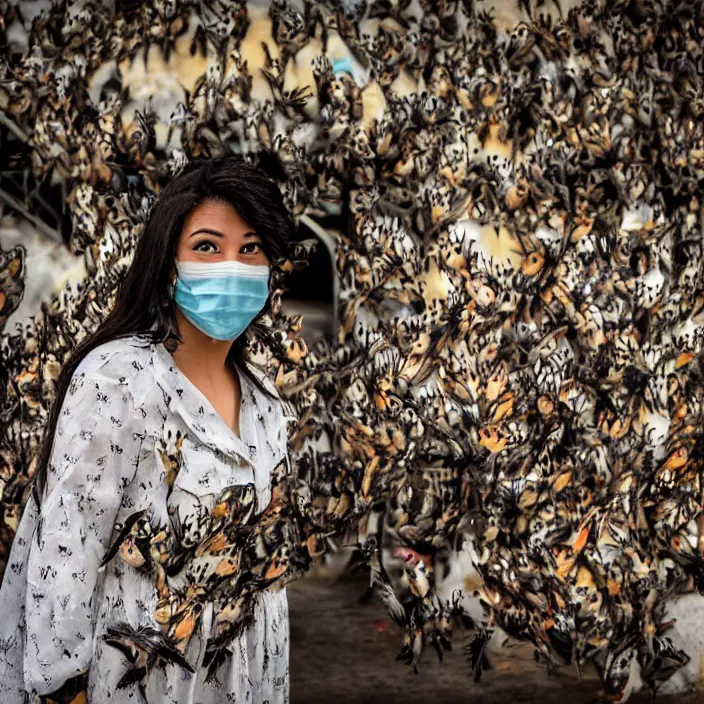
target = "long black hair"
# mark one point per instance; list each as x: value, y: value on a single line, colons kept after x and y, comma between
x: 144, y: 302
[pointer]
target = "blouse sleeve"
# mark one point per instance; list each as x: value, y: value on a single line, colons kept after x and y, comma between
x: 94, y: 457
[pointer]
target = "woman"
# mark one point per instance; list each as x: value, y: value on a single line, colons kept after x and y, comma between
x: 140, y: 431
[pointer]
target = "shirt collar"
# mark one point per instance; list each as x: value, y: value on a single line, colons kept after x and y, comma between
x: 206, y: 424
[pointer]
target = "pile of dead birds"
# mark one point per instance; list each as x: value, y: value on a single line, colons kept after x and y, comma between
x: 519, y: 357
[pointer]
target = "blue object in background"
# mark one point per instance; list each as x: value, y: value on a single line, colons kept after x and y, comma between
x: 343, y: 65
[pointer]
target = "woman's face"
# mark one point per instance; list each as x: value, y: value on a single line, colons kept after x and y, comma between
x: 215, y: 232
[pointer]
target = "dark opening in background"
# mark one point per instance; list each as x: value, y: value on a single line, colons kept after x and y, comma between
x: 311, y: 291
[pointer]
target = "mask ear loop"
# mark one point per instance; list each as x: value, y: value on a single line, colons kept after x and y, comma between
x: 172, y: 341
x: 171, y: 290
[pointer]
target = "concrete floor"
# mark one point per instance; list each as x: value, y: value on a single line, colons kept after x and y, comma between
x: 343, y: 652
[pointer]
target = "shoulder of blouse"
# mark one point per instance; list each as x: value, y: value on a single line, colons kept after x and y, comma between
x: 285, y: 410
x: 123, y: 357
x: 264, y: 378
x: 127, y: 362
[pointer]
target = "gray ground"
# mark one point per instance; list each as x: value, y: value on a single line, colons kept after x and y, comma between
x: 343, y: 652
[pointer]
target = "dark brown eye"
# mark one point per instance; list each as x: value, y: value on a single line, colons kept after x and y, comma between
x: 256, y: 246
x: 205, y: 243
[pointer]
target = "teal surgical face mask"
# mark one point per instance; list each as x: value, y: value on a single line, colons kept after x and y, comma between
x: 221, y: 299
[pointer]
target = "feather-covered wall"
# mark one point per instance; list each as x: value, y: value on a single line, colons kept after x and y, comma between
x: 518, y: 362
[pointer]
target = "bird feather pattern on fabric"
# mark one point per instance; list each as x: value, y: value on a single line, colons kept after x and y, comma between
x: 519, y: 356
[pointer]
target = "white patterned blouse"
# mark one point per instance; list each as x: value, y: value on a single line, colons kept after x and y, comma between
x: 128, y: 414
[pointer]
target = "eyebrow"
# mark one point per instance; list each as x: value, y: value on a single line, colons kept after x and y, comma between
x: 219, y: 234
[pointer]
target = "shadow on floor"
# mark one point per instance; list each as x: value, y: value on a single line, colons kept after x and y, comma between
x: 343, y: 652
